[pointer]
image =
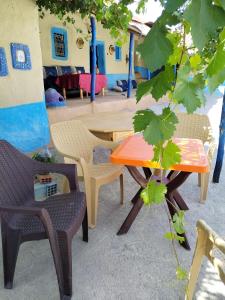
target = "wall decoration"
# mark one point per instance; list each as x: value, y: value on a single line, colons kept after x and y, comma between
x: 3, y: 63
x: 80, y: 43
x: 111, y: 49
x: 59, y: 43
x: 20, y: 56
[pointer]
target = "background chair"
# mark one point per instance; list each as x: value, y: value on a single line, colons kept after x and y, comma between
x: 207, y: 242
x: 23, y: 219
x: 80, y: 69
x: 76, y: 143
x: 198, y: 127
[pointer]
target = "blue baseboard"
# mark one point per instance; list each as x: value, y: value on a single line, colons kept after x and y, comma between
x: 112, y: 78
x: 25, y: 126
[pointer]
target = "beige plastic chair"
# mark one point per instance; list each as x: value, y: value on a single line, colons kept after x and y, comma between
x: 207, y: 243
x: 198, y: 127
x: 76, y: 143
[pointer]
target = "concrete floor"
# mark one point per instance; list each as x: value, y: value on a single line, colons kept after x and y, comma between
x: 112, y: 101
x: 137, y: 266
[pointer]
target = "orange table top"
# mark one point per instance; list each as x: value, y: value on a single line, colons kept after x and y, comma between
x: 134, y: 151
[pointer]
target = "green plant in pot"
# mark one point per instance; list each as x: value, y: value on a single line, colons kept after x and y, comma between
x: 44, y: 156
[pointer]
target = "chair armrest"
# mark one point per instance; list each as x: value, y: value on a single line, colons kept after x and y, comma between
x: 108, y: 144
x: 69, y: 170
x: 46, y: 221
x: 39, y: 212
x: 36, y: 211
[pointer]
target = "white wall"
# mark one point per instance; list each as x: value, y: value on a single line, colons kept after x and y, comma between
x: 19, y: 24
x: 80, y: 57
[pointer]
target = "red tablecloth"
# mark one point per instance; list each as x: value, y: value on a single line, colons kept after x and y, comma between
x: 81, y: 81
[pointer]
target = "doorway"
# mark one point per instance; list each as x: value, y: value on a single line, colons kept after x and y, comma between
x: 100, y: 57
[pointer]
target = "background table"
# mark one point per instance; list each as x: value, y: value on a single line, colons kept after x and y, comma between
x: 134, y: 152
x: 82, y: 82
x: 111, y: 126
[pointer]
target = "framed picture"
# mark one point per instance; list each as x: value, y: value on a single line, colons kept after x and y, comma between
x: 20, y: 56
x: 3, y: 63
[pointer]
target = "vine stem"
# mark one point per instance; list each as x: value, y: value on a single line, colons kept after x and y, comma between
x: 172, y: 241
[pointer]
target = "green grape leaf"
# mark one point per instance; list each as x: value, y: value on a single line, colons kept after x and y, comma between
x: 153, y: 133
x: 173, y: 5
x: 154, y: 193
x: 168, y: 123
x: 162, y: 82
x: 180, y: 239
x: 156, y: 48
x: 143, y: 88
x: 161, y: 127
x: 204, y: 18
x: 173, y: 236
x: 175, y: 57
x: 178, y: 222
x: 142, y: 118
x: 217, y: 62
x: 171, y: 155
x: 187, y: 89
x: 195, y: 61
x: 216, y: 80
x: 221, y: 3
x: 156, y: 128
x: 158, y: 85
x: 181, y: 273
x: 168, y: 19
x: 169, y: 235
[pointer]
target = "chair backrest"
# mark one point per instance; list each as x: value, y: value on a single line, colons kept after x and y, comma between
x: 194, y: 126
x: 50, y: 71
x: 16, y: 176
x: 80, y: 69
x: 210, y: 245
x: 73, y: 139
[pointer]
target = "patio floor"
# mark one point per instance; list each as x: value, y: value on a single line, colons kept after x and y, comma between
x: 112, y: 101
x: 137, y: 266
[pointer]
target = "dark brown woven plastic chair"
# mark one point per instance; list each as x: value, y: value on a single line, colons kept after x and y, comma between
x: 23, y: 219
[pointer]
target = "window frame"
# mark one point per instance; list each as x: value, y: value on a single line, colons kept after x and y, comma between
x: 120, y: 53
x: 62, y: 31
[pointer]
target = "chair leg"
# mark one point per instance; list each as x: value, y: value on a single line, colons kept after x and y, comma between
x: 121, y: 190
x: 85, y: 227
x: 10, y: 249
x: 66, y: 259
x: 94, y: 203
x: 204, y: 186
x: 196, y: 265
x: 199, y: 179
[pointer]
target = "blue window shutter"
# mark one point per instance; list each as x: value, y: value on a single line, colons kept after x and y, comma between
x: 118, y: 53
x: 101, y: 58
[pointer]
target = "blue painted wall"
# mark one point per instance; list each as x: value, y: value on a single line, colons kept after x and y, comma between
x: 112, y: 78
x: 142, y: 70
x: 25, y: 126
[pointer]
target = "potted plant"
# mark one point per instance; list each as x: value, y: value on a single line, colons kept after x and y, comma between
x: 44, y: 156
